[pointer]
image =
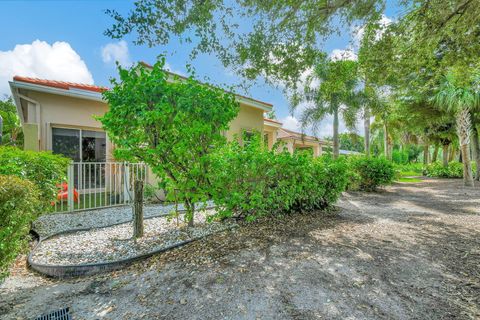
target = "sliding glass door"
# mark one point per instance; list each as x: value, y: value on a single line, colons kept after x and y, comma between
x: 80, y: 145
x: 86, y: 147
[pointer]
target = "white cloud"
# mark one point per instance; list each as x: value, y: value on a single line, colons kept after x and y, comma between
x: 169, y: 67
x: 291, y: 123
x: 339, y: 54
x: 58, y: 61
x: 358, y: 32
x: 114, y: 52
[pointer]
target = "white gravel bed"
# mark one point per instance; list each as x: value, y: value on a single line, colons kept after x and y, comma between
x: 116, y: 242
x: 49, y: 224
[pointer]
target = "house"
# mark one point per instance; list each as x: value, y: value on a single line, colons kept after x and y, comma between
x: 291, y: 140
x: 60, y: 116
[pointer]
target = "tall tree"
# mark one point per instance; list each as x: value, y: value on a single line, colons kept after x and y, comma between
x: 335, y: 94
x: 282, y: 41
x: 460, y: 97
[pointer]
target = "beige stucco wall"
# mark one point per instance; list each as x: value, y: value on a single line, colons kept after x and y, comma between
x: 249, y: 119
x: 68, y: 112
x: 271, y: 133
x: 57, y: 110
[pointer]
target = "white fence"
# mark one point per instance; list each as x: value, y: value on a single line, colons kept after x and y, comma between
x: 92, y: 185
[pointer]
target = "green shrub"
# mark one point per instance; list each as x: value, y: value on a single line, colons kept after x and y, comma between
x: 19, y: 205
x: 250, y: 182
x: 453, y: 170
x: 44, y: 169
x: 369, y: 173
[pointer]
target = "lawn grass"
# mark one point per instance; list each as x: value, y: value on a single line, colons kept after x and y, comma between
x: 409, y: 179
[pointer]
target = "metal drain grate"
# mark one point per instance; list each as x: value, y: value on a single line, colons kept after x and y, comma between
x: 62, y: 314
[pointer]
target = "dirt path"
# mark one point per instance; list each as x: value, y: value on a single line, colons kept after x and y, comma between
x: 410, y: 252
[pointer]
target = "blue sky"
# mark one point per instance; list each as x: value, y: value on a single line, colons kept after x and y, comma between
x: 83, y: 53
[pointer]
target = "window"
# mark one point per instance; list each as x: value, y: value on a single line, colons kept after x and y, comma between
x: 80, y: 145
x: 247, y: 137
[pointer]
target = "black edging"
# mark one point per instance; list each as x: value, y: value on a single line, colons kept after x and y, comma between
x: 70, y: 271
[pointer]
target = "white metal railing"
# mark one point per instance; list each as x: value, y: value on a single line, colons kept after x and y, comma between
x: 92, y: 185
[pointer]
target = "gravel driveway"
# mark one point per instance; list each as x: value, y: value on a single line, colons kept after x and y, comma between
x: 409, y: 252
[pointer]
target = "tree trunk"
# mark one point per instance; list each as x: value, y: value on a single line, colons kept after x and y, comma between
x: 386, y: 142
x: 464, y: 126
x: 426, y: 153
x: 476, y: 151
x: 452, y: 153
x: 445, y: 155
x: 336, y: 150
x: 190, y: 214
x: 435, y: 153
x: 138, y: 209
x: 366, y: 125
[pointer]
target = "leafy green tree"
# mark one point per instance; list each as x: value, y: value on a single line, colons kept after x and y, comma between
x: 336, y: 94
x: 351, y: 141
x: 12, y: 130
x: 172, y: 125
x: 284, y: 39
x: 460, y: 96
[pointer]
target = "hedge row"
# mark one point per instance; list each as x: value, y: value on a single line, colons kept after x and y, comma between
x: 250, y: 182
x: 368, y: 174
x: 44, y: 169
x: 28, y: 185
x: 453, y: 170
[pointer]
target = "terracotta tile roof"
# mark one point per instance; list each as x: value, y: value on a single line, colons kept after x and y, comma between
x: 183, y: 77
x: 271, y: 120
x: 60, y: 84
x: 286, y: 134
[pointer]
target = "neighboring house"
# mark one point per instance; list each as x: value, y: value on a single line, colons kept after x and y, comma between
x: 291, y: 140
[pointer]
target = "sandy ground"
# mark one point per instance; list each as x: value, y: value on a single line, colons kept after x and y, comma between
x: 411, y: 251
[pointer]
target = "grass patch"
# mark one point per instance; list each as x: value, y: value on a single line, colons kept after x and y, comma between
x: 409, y: 180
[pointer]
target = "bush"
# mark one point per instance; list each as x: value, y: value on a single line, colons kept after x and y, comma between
x: 18, y: 207
x: 453, y: 170
x: 44, y: 169
x: 250, y: 182
x: 369, y: 173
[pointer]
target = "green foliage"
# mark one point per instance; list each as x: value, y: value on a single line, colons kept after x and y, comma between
x: 170, y: 124
x: 410, y: 169
x: 12, y: 130
x: 351, y: 141
x: 370, y: 173
x: 337, y: 94
x: 19, y: 205
x: 44, y: 169
x: 283, y: 38
x: 251, y: 182
x: 453, y: 170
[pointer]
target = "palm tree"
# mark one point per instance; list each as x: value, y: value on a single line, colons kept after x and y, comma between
x: 336, y: 94
x: 460, y: 97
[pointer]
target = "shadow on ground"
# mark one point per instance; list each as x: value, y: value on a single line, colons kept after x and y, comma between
x: 411, y: 251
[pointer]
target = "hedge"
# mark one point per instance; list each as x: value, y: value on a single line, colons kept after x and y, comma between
x: 250, y: 182
x: 368, y: 174
x: 44, y: 169
x: 453, y: 170
x: 19, y: 205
